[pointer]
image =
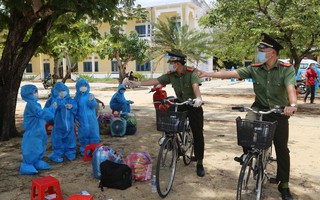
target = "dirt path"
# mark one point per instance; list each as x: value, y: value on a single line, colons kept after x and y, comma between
x: 220, y: 148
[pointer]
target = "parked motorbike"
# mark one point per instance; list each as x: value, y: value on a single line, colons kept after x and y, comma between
x: 301, y: 86
x: 47, y: 82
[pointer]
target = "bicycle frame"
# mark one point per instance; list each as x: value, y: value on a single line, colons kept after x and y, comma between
x: 173, y: 144
x: 254, y: 167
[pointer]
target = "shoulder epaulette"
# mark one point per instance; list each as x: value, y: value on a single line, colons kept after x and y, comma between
x: 256, y: 64
x: 191, y: 69
x: 285, y: 64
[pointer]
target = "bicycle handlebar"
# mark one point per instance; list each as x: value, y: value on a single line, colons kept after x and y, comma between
x: 169, y: 100
x: 276, y: 109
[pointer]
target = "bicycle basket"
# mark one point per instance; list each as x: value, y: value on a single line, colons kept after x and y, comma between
x: 255, y: 134
x: 170, y: 121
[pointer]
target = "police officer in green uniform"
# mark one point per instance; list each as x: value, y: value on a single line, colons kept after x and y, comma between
x: 273, y: 84
x: 185, y: 83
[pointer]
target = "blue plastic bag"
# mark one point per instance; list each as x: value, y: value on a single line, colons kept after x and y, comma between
x: 101, y: 154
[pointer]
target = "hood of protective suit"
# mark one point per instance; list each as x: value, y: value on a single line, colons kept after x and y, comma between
x: 82, y: 82
x: 54, y: 93
x: 121, y: 86
x: 60, y: 86
x: 27, y: 92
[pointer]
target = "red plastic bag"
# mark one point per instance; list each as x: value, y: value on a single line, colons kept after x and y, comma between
x: 140, y: 164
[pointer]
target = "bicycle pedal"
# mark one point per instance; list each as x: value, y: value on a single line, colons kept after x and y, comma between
x: 193, y: 159
x: 240, y: 159
x: 272, y: 158
x: 273, y: 180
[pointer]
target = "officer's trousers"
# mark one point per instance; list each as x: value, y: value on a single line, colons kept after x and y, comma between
x: 196, y: 123
x: 280, y: 142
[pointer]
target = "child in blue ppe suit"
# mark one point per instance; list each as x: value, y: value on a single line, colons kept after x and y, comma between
x: 119, y: 103
x: 63, y: 138
x: 86, y: 119
x: 50, y: 101
x: 34, y: 139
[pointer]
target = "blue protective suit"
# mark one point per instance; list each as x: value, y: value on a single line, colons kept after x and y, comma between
x: 63, y: 138
x: 118, y: 102
x: 300, y: 75
x: 316, y: 80
x: 88, y: 131
x: 51, y: 100
x: 53, y: 96
x: 35, y: 137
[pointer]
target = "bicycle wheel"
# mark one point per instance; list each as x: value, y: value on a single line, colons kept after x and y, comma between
x: 250, y: 179
x: 166, y: 166
x: 259, y: 177
x: 188, y: 146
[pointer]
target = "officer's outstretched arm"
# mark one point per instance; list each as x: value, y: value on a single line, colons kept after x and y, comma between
x: 221, y: 74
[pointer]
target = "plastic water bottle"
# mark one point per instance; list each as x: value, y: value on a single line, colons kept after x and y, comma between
x: 153, y: 184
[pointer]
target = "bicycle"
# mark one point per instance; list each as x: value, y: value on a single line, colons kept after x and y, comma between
x: 258, y: 136
x: 176, y: 141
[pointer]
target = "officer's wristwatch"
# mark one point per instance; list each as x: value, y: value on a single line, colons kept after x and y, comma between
x: 293, y: 105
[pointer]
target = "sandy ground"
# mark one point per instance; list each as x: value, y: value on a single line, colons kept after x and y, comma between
x: 221, y: 146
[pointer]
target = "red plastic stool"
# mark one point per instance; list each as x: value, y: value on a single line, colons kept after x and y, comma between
x: 115, y: 114
x: 49, y: 127
x: 87, y: 156
x: 45, y: 185
x: 80, y: 197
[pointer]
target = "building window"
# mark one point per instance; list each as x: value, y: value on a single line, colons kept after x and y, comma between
x: 114, y: 66
x: 87, y: 66
x: 141, y: 30
x: 29, y: 68
x: 96, y: 66
x: 46, y: 69
x: 144, y: 67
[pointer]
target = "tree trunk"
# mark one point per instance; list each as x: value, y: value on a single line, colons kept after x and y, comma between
x: 121, y: 67
x: 8, y: 101
x: 70, y: 69
x: 14, y: 60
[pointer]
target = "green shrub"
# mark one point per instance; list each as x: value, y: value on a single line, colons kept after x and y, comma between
x: 88, y: 78
x: 30, y: 78
x: 91, y: 79
x: 140, y: 76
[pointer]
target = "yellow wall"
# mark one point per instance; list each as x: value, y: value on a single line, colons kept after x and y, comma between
x: 105, y: 64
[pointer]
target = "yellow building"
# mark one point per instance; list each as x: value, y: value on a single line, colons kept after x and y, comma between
x: 186, y: 12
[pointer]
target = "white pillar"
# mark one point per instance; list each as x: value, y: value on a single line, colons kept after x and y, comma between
x: 92, y: 63
x: 64, y: 67
x: 41, y: 67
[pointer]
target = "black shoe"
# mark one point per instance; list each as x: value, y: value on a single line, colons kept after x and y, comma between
x: 200, y: 170
x: 285, y: 193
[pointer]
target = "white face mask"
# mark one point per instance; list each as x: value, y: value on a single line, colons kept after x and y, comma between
x: 63, y: 94
x: 171, y: 68
x: 36, y: 95
x: 83, y: 89
x: 261, y: 57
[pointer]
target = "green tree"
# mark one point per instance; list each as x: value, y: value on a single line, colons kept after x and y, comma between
x: 168, y: 36
x: 120, y: 46
x: 127, y: 48
x: 238, y: 24
x: 36, y: 17
x: 71, y: 38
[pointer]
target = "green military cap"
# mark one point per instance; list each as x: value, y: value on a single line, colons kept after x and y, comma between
x: 175, y: 56
x: 269, y: 42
